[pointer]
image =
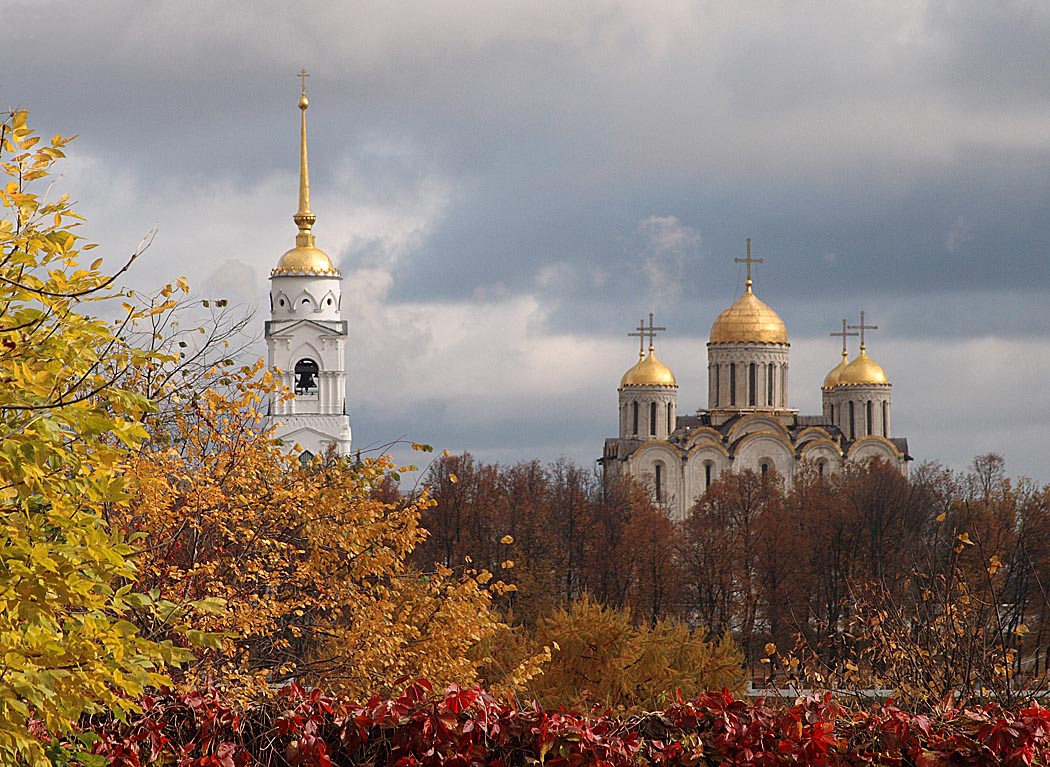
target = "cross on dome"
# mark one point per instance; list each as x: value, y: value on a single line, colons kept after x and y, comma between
x: 748, y: 260
x: 861, y: 327
x: 843, y: 334
x: 644, y: 332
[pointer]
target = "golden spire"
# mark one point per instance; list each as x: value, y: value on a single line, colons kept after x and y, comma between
x: 749, y: 261
x: 304, y: 219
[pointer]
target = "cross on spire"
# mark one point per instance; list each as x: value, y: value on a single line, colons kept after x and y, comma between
x: 644, y: 332
x: 303, y: 74
x: 844, y: 334
x: 862, y: 327
x: 748, y: 260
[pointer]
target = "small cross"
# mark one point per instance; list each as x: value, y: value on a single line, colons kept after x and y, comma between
x: 646, y: 332
x: 862, y: 327
x: 303, y: 74
x: 843, y: 334
x: 748, y: 261
x: 640, y: 335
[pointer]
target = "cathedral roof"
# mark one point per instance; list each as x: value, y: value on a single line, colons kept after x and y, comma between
x: 649, y: 371
x: 863, y: 370
x: 305, y: 258
x: 749, y: 320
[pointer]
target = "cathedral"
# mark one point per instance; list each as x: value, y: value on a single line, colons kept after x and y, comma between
x: 748, y: 423
x: 306, y: 335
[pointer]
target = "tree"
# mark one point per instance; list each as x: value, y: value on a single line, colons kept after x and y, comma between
x: 311, y: 564
x: 68, y: 645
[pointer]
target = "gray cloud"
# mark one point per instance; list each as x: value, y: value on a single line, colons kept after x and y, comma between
x: 504, y: 183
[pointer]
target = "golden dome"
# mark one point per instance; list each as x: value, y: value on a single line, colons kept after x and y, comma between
x: 863, y: 371
x: 833, y: 378
x: 305, y: 260
x: 749, y: 320
x: 649, y: 372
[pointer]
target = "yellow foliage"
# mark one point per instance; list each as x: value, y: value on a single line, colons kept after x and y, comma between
x: 67, y: 646
x: 310, y: 563
x: 600, y: 657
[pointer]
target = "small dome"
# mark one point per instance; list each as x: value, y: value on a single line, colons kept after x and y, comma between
x: 749, y: 320
x: 305, y: 260
x: 863, y: 371
x: 649, y: 372
x: 834, y: 377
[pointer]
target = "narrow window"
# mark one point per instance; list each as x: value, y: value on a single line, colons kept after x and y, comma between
x: 868, y: 418
x: 670, y: 419
x: 852, y: 421
x: 885, y: 418
x: 306, y: 371
x: 732, y: 383
x: 634, y: 418
x: 820, y: 468
x: 718, y: 384
x: 765, y: 468
x: 832, y: 414
x: 652, y: 418
x: 707, y: 474
x: 752, y: 381
x: 659, y: 483
x: 769, y: 385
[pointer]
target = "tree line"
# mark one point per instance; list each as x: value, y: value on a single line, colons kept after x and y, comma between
x: 932, y: 584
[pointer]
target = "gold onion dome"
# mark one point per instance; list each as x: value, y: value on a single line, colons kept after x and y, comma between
x: 749, y: 320
x: 305, y: 260
x: 305, y: 257
x: 863, y: 370
x: 834, y: 376
x: 649, y: 372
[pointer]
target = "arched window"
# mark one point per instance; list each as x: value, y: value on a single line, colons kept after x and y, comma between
x: 732, y: 383
x: 670, y: 418
x: 868, y: 418
x: 306, y: 371
x: 852, y: 421
x: 708, y: 467
x: 821, y: 466
x: 885, y: 418
x: 718, y: 385
x: 752, y: 382
x: 634, y: 417
x: 765, y: 468
x: 652, y: 419
x: 658, y: 471
x: 769, y: 385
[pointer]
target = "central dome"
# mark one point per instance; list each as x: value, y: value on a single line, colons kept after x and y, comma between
x: 749, y: 321
x: 305, y: 260
x: 649, y: 372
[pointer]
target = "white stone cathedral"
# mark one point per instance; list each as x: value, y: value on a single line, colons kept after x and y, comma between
x: 306, y: 335
x: 748, y: 423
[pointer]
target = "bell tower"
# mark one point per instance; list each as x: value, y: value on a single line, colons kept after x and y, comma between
x: 306, y: 335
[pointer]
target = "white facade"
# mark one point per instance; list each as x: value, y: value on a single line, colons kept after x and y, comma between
x: 306, y: 337
x: 748, y: 423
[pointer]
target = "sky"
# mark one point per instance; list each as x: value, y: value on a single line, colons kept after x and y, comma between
x: 507, y: 187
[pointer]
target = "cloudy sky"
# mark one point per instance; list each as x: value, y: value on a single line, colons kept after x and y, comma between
x: 508, y: 186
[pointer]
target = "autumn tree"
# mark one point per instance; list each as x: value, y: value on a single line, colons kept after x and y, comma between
x: 603, y: 657
x: 309, y: 561
x: 67, y: 639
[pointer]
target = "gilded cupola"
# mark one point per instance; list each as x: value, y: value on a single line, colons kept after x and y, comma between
x: 649, y: 371
x: 863, y: 370
x: 305, y: 258
x: 749, y: 320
